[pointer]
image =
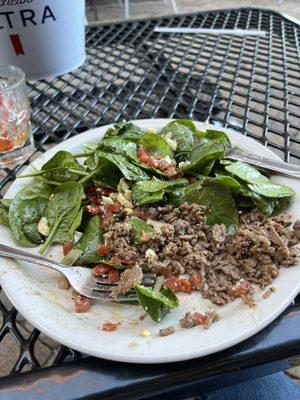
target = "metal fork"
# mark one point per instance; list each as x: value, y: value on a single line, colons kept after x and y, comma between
x: 81, y: 279
x: 272, y: 165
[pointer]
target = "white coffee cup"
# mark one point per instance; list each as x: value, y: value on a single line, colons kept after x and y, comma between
x: 44, y: 38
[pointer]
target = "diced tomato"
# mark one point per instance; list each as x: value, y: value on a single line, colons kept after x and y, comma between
x: 146, y: 157
x: 195, y: 281
x: 242, y: 288
x: 113, y: 276
x: 163, y: 165
x: 106, y: 216
x: 94, y: 210
x: 114, y: 208
x: 103, y: 250
x: 199, y: 317
x: 185, y: 285
x: 109, y: 327
x: 67, y: 247
x: 173, y: 283
x: 82, y: 303
x: 102, y: 191
x: 102, y: 269
x: 121, y: 260
x: 171, y: 171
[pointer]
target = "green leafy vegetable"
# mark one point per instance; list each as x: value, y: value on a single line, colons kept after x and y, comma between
x: 203, y: 154
x: 257, y: 182
x: 125, y: 130
x: 156, y: 304
x: 62, y: 167
x: 221, y: 208
x: 182, y: 131
x: 154, y: 190
x: 71, y: 258
x: 117, y: 145
x: 272, y: 189
x: 89, y: 242
x: 155, y: 145
x: 212, y: 134
x: 129, y: 170
x: 61, y: 212
x: 141, y: 228
x: 4, y: 210
x: 26, y: 210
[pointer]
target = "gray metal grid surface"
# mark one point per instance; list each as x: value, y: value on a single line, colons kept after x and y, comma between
x: 249, y: 84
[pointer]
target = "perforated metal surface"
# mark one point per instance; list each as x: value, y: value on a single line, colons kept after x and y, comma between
x: 249, y: 84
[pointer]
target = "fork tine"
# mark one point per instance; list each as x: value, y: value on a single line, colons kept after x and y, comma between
x: 104, y: 286
x: 95, y: 294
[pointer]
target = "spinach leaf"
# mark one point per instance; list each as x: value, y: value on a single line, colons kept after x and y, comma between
x: 154, y: 190
x: 61, y: 212
x: 89, y: 242
x: 141, y: 197
x: 107, y: 174
x: 4, y: 210
x: 62, y: 167
x: 117, y: 145
x: 129, y: 170
x: 125, y: 130
x: 257, y: 182
x: 156, y: 304
x: 203, y: 154
x: 182, y: 131
x: 26, y: 210
x: 155, y: 145
x: 212, y: 134
x: 221, y: 208
x: 246, y: 172
x: 140, y: 227
x: 71, y: 257
x: 272, y: 189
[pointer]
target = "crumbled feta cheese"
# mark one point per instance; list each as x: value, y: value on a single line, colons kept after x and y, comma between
x: 157, y: 225
x: 128, y: 194
x: 122, y: 200
x: 123, y: 186
x: 172, y: 143
x: 113, y: 195
x: 168, y: 135
x: 151, y: 255
x: 129, y: 211
x: 107, y: 200
x: 183, y: 164
x: 168, y: 159
x: 146, y: 333
x: 43, y: 227
x: 151, y: 130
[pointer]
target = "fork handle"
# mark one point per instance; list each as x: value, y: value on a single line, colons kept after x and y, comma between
x: 272, y: 165
x: 10, y: 252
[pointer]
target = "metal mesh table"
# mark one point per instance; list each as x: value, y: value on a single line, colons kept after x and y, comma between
x: 248, y: 84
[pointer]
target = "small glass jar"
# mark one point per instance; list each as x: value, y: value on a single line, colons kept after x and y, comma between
x: 16, y: 140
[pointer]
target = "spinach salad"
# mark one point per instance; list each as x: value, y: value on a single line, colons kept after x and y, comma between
x: 127, y: 204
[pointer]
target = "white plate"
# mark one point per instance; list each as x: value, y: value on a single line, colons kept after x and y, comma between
x: 33, y: 291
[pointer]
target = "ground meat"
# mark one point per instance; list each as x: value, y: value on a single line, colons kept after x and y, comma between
x: 166, y: 331
x: 188, y: 321
x: 183, y: 244
x: 296, y: 229
x: 210, y: 318
x: 128, y: 278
